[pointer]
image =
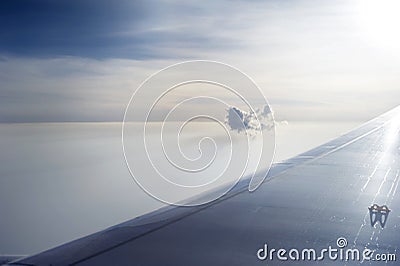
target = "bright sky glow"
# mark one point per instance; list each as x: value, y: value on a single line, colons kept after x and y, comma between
x: 381, y: 20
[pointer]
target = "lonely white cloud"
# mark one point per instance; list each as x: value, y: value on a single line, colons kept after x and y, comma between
x: 251, y: 122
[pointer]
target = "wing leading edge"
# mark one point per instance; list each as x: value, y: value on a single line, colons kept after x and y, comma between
x: 309, y: 201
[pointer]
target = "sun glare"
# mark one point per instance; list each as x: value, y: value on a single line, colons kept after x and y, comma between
x: 380, y: 20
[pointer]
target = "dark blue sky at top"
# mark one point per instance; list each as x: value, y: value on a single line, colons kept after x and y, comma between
x: 96, y: 28
x: 76, y: 28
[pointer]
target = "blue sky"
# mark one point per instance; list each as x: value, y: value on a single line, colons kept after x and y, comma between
x: 100, y: 29
x: 81, y: 60
x: 71, y: 28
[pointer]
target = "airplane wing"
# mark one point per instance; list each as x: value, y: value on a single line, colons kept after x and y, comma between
x: 321, y: 199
